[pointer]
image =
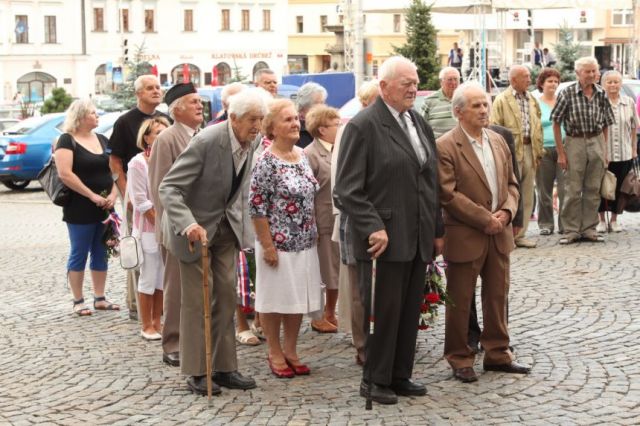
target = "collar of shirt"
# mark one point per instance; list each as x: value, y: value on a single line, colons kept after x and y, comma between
x: 622, y: 100
x: 485, y: 138
x: 520, y: 95
x: 328, y: 146
x: 189, y: 130
x: 596, y: 88
x: 394, y: 112
x: 238, y: 151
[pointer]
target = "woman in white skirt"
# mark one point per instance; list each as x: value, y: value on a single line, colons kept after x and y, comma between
x: 281, y: 202
x: 150, y: 296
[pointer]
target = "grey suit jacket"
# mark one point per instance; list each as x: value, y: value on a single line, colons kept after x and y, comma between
x: 196, y: 190
x: 380, y: 184
x: 164, y: 152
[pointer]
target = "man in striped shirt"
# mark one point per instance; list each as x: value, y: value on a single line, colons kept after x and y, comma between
x: 437, y: 107
x: 585, y: 112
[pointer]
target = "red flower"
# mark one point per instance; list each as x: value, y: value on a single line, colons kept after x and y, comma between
x: 291, y: 208
x: 257, y: 200
x: 279, y: 238
x: 432, y: 298
x: 423, y: 327
x: 424, y: 307
x: 247, y: 309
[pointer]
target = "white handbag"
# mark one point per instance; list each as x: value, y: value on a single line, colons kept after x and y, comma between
x: 131, y: 254
x: 608, y: 186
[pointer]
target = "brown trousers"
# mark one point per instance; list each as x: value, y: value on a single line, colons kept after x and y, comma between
x: 493, y: 267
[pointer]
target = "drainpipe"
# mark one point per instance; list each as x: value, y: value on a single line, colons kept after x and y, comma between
x: 83, y: 27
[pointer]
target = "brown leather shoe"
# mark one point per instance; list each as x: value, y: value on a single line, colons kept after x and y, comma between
x: 323, y: 326
x: 512, y: 367
x: 465, y: 375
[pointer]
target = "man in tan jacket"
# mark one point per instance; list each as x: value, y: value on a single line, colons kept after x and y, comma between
x: 518, y: 111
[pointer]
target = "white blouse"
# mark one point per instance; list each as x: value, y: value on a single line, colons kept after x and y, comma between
x: 622, y: 135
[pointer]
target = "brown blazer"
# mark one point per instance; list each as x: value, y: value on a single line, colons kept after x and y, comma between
x: 466, y: 198
x: 320, y: 162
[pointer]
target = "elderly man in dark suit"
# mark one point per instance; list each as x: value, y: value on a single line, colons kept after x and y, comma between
x: 387, y: 183
x: 198, y: 195
x: 479, y: 196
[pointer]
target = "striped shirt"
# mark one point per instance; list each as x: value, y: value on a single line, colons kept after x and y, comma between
x: 622, y: 134
x: 523, y: 102
x: 438, y: 114
x: 580, y: 114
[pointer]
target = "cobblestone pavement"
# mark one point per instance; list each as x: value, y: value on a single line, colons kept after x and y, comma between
x: 574, y: 319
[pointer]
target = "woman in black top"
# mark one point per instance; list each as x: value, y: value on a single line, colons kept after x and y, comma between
x: 83, y: 165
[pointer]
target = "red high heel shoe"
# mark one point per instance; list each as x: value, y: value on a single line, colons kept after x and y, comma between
x: 281, y: 373
x: 300, y: 369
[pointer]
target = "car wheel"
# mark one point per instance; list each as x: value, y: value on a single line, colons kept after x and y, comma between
x: 16, y: 185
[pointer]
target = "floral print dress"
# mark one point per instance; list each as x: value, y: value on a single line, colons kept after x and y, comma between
x: 284, y: 193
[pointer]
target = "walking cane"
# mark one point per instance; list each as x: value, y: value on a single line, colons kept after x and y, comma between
x: 372, y: 321
x: 207, y: 312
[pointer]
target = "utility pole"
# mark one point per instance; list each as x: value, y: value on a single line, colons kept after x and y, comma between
x: 353, y: 38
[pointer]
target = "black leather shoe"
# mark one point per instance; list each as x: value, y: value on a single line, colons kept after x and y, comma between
x: 512, y: 367
x: 173, y: 359
x: 465, y: 374
x: 233, y: 380
x: 406, y: 387
x: 379, y: 393
x: 198, y: 385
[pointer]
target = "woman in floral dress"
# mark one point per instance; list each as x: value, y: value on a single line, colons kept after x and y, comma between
x: 281, y: 202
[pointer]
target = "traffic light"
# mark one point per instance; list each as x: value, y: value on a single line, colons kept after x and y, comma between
x: 125, y: 51
x: 529, y: 22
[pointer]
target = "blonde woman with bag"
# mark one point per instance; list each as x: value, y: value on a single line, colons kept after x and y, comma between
x: 144, y: 222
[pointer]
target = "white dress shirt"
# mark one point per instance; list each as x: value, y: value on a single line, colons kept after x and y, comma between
x: 485, y: 156
x: 411, y: 129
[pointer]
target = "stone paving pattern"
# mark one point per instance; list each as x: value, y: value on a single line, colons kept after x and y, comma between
x: 574, y: 318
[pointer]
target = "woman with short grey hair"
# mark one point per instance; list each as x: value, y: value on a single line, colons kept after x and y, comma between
x: 308, y: 95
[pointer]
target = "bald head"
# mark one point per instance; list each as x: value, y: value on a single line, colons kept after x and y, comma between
x: 519, y: 78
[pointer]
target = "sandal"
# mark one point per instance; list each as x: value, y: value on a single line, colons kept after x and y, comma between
x: 257, y: 331
x: 79, y: 308
x: 247, y: 338
x: 108, y: 307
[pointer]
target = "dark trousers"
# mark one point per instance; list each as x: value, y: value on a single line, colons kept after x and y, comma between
x: 620, y: 169
x: 398, y: 296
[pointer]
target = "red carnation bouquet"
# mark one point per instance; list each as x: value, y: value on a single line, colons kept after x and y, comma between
x: 435, y: 294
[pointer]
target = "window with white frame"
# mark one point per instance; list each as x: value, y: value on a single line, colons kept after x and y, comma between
x: 622, y: 17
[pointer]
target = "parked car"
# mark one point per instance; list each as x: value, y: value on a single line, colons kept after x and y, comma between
x: 351, y: 108
x: 27, y: 146
x: 5, y: 123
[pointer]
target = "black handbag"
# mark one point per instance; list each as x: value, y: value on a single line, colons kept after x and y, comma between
x: 48, y: 177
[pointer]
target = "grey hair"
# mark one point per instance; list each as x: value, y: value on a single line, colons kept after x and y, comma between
x: 138, y: 85
x: 367, y: 89
x: 230, y: 90
x: 175, y: 105
x: 446, y: 70
x: 306, y: 93
x: 249, y: 100
x: 458, y: 100
x: 610, y: 73
x: 262, y: 71
x: 514, y: 69
x: 76, y: 112
x: 585, y: 60
x: 388, y: 68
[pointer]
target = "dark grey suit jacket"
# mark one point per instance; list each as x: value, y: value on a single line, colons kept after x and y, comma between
x: 508, y: 138
x: 197, y: 188
x: 380, y: 184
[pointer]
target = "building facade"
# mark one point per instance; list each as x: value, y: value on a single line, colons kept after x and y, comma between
x: 82, y: 45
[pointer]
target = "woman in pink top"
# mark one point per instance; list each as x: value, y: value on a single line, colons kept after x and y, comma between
x: 144, y: 222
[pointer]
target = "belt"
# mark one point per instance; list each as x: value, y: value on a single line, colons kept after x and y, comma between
x: 585, y: 135
x: 526, y: 141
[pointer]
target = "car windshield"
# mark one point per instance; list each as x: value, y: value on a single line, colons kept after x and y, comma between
x: 26, y: 126
x: 105, y: 122
x: 634, y: 87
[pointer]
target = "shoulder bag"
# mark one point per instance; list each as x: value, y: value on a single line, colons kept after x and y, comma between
x: 131, y: 254
x: 50, y: 181
x: 608, y: 186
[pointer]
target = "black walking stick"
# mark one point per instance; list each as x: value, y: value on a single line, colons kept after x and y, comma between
x: 372, y: 321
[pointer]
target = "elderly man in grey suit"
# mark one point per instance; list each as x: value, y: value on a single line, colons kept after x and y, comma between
x: 197, y: 195
x: 387, y: 183
x: 185, y: 108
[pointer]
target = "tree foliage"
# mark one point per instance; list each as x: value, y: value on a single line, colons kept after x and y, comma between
x: 135, y: 67
x: 420, y: 46
x: 59, y: 101
x: 567, y: 51
x: 237, y: 75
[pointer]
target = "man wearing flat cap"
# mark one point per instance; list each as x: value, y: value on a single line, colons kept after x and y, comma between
x: 186, y: 110
x: 198, y: 194
x: 123, y: 147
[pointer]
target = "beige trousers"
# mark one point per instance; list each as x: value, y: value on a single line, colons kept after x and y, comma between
x: 172, y: 296
x: 527, y: 177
